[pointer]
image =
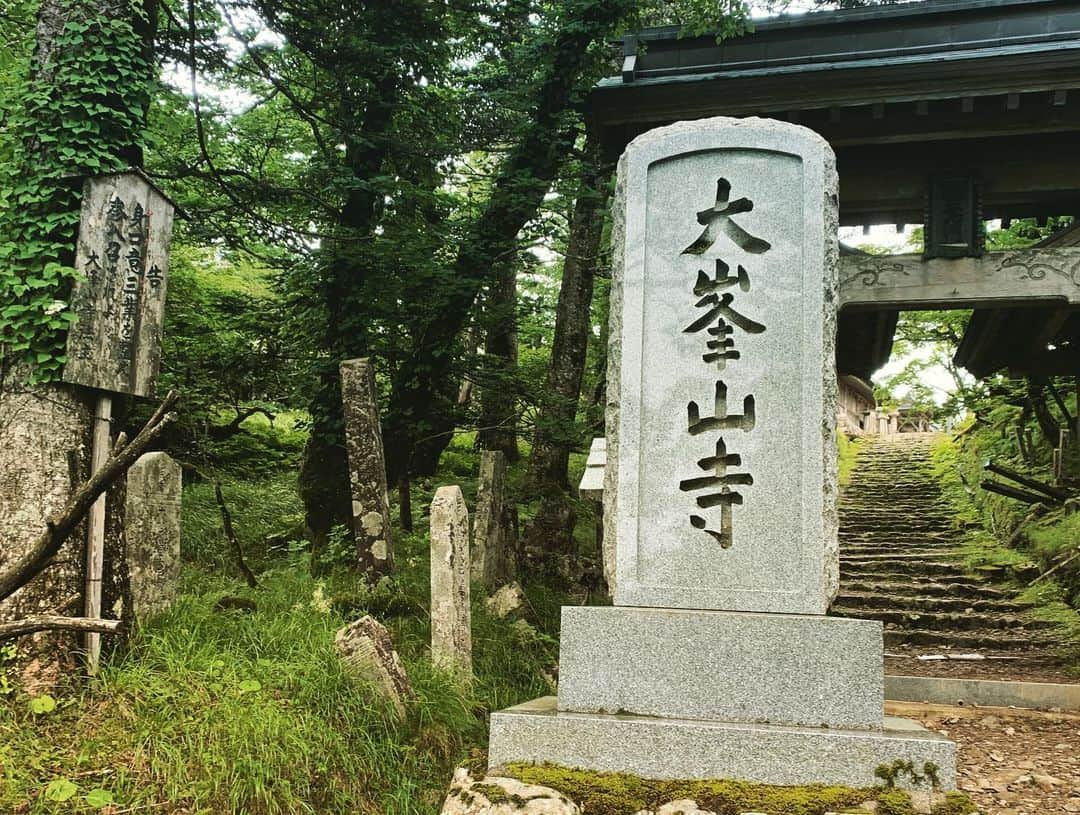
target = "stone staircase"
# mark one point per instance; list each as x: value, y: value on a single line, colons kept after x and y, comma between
x: 899, y: 563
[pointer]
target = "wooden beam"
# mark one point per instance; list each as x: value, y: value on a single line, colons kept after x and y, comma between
x: 1020, y: 277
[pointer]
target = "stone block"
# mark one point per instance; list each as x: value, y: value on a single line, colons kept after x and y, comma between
x: 654, y: 748
x: 721, y: 477
x: 367, y: 467
x: 152, y: 531
x: 757, y: 668
x: 451, y: 615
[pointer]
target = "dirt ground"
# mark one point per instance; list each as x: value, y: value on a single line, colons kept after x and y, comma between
x: 1011, y: 762
x: 994, y: 666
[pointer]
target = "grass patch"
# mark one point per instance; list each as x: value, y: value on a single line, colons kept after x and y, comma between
x: 217, y: 710
x: 229, y: 711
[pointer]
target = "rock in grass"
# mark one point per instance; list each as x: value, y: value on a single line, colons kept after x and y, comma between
x: 505, y: 601
x: 365, y: 646
x: 503, y: 796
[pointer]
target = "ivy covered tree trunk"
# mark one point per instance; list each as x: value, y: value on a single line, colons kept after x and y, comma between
x: 81, y: 113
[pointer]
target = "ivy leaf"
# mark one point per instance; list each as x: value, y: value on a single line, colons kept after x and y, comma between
x: 99, y: 798
x: 60, y: 789
x: 42, y: 704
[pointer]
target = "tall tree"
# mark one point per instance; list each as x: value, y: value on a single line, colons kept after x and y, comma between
x: 556, y: 431
x: 422, y: 397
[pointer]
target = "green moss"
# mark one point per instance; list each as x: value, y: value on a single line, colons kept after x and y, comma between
x: 847, y: 455
x: 617, y: 794
x: 493, y: 792
x: 894, y: 802
x: 956, y: 803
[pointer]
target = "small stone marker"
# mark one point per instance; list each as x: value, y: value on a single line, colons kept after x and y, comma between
x: 492, y: 547
x: 451, y: 615
x: 365, y: 646
x: 152, y: 531
x: 717, y: 659
x: 367, y: 467
x: 125, y: 231
x: 506, y: 600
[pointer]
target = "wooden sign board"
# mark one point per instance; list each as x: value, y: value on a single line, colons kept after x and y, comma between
x: 122, y: 253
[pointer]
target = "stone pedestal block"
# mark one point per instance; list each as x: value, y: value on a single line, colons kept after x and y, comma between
x: 536, y: 732
x: 757, y: 668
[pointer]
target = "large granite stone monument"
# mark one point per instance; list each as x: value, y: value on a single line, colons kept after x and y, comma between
x: 717, y: 660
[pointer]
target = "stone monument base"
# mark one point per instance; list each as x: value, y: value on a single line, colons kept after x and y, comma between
x: 537, y: 732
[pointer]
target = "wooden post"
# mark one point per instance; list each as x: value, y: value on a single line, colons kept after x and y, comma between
x: 95, y: 539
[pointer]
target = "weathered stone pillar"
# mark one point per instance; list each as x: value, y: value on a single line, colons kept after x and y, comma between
x: 492, y: 547
x: 44, y: 453
x: 152, y: 530
x: 367, y: 467
x: 451, y: 614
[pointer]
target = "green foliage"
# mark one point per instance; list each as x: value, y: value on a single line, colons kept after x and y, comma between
x: 76, y: 116
x: 60, y: 790
x: 267, y: 518
x: 219, y: 710
x: 1024, y: 232
x: 991, y: 520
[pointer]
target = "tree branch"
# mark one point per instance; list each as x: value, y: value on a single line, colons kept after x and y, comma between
x: 49, y: 622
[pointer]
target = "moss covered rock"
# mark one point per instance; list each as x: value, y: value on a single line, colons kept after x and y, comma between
x: 495, y: 795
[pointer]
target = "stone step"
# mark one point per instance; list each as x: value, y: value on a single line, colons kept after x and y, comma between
x: 900, y: 566
x: 869, y: 525
x: 932, y: 553
x: 898, y: 537
x: 923, y: 603
x: 943, y: 620
x: 970, y: 640
x: 965, y: 588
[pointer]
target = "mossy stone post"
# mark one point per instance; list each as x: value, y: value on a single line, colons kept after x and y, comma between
x: 451, y: 615
x: 367, y: 468
x: 152, y: 532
